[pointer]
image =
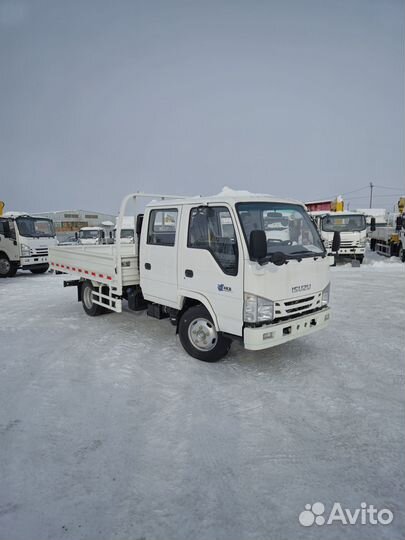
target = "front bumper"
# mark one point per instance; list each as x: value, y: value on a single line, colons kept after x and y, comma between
x: 32, y: 262
x: 268, y: 336
x: 350, y: 251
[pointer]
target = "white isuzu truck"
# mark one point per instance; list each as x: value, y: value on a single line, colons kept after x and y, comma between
x: 24, y: 243
x: 127, y: 230
x: 93, y: 236
x: 217, y: 267
x: 352, y: 228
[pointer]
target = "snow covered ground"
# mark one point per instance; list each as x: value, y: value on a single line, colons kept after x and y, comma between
x: 109, y: 430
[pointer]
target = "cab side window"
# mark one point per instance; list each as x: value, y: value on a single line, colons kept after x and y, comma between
x: 211, y: 228
x: 162, y: 227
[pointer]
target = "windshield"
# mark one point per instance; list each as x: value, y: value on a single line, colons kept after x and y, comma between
x: 93, y: 233
x: 288, y: 228
x: 343, y: 223
x: 35, y: 227
x: 127, y: 233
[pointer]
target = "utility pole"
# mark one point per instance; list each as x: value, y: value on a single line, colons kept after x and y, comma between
x: 371, y: 194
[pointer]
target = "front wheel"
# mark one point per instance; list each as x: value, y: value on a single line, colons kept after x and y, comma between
x: 199, y: 337
x: 7, y: 268
x: 360, y: 258
x: 41, y: 269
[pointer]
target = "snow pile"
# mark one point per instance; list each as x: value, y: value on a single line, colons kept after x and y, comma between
x: 387, y: 263
x: 229, y: 192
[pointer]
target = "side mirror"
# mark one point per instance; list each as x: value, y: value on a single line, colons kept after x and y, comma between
x: 257, y: 245
x: 7, y: 233
x: 372, y: 224
x: 336, y: 242
x: 398, y: 223
x: 139, y: 221
x: 102, y: 235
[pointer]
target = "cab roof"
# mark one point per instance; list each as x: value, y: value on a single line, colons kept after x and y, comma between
x: 222, y: 198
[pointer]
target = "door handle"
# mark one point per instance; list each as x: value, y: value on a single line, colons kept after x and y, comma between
x: 148, y: 266
x: 189, y: 273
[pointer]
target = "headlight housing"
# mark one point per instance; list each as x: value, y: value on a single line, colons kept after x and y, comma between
x: 326, y: 295
x: 257, y: 309
x: 26, y: 251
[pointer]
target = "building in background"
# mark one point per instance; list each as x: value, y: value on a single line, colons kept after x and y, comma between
x: 67, y: 222
x: 333, y: 205
x: 315, y: 206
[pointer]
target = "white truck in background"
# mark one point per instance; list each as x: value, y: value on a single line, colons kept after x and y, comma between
x: 24, y: 243
x: 94, y: 236
x: 213, y: 266
x: 390, y: 240
x: 379, y: 214
x: 352, y: 228
x: 127, y: 230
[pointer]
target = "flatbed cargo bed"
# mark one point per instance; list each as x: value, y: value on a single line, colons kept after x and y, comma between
x: 98, y: 263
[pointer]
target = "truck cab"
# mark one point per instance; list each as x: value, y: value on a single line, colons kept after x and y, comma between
x: 127, y: 231
x: 92, y: 236
x: 24, y: 243
x: 352, y: 227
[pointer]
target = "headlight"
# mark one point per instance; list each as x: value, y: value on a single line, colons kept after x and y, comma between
x: 257, y: 309
x: 326, y: 295
x: 26, y: 251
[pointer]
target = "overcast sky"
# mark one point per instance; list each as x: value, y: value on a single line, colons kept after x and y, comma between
x: 298, y: 98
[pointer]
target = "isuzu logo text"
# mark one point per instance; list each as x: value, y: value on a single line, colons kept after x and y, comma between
x: 300, y: 288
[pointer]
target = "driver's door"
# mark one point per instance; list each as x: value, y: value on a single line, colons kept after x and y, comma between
x: 8, y: 241
x: 211, y: 263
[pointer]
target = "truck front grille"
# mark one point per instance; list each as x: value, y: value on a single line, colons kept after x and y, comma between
x: 42, y: 252
x: 285, y: 309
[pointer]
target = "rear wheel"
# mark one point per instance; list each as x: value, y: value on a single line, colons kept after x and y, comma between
x: 41, y: 269
x: 401, y: 253
x: 7, y: 268
x: 89, y: 306
x: 199, y: 337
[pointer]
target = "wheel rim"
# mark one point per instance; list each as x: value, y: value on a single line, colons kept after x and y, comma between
x: 202, y: 334
x: 4, y: 266
x: 87, y: 297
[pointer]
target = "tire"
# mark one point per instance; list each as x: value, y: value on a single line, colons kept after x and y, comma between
x: 372, y: 244
x: 41, y: 269
x: 89, y: 307
x: 401, y: 253
x: 13, y: 271
x: 360, y: 258
x: 7, y: 268
x: 198, y: 335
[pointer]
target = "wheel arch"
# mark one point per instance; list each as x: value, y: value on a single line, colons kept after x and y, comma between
x: 193, y: 299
